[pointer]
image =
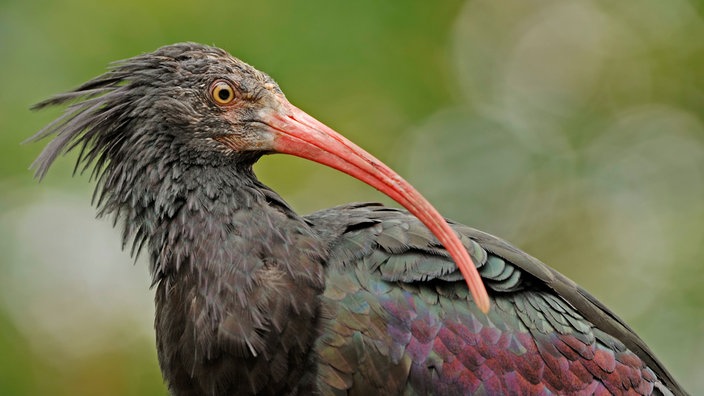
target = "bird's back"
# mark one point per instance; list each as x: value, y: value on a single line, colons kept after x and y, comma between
x: 398, y: 319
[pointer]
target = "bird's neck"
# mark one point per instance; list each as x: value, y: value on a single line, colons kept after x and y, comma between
x: 188, y: 206
x: 238, y: 275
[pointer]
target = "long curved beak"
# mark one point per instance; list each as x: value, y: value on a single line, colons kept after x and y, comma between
x: 299, y: 134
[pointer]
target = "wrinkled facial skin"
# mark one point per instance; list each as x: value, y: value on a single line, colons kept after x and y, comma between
x: 181, y: 96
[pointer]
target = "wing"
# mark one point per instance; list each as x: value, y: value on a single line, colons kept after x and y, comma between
x: 398, y: 319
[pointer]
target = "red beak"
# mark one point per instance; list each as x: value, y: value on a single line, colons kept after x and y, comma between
x: 299, y: 134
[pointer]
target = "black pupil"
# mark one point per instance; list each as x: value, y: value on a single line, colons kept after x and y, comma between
x: 224, y: 94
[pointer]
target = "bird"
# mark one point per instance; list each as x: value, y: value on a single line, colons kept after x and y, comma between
x: 254, y: 299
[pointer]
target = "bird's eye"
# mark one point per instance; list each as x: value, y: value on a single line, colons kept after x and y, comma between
x: 222, y: 92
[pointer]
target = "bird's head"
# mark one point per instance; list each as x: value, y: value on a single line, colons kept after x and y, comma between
x: 190, y: 104
x: 183, y: 102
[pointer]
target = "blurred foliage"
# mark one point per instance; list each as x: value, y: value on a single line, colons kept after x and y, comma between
x: 573, y: 129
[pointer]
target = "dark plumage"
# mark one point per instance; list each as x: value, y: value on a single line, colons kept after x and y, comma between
x: 252, y: 298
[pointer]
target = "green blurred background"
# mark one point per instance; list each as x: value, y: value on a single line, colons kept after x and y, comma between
x: 572, y: 128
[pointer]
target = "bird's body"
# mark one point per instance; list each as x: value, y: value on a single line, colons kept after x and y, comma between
x: 252, y: 298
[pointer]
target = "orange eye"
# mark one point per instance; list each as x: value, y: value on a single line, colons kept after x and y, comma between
x: 222, y: 92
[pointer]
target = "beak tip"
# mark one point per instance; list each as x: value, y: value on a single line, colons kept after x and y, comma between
x: 484, y: 305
